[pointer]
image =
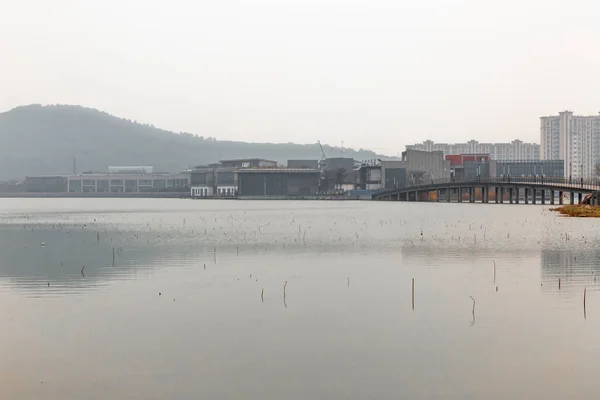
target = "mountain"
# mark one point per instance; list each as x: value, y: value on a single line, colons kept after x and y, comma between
x: 43, y: 140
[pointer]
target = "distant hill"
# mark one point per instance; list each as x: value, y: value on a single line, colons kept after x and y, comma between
x: 42, y: 140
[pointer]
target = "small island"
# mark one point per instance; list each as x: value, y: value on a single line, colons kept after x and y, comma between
x: 579, y: 210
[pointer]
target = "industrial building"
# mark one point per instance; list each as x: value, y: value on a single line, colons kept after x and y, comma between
x: 416, y: 167
x: 339, y: 175
x: 221, y: 179
x: 485, y: 168
x: 277, y: 182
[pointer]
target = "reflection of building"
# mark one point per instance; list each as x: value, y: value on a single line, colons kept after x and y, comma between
x: 573, y: 139
x: 277, y: 182
x: 515, y: 150
x: 576, y: 268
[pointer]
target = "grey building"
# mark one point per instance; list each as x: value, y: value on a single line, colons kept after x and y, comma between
x: 422, y: 166
x: 547, y: 168
x: 277, y: 182
x: 377, y: 175
x: 338, y: 174
x: 46, y: 184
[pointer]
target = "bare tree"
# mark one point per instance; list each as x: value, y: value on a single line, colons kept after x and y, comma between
x: 416, y: 177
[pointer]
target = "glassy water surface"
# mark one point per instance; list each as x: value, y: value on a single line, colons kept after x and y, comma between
x: 193, y: 304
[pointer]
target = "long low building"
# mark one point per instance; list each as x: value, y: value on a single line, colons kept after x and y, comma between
x: 127, y: 183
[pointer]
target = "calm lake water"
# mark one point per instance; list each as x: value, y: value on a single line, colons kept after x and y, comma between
x: 180, y: 315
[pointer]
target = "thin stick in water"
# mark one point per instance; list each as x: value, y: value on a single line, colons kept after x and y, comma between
x: 558, y: 283
x: 473, y: 307
x: 494, y: 271
x: 584, y: 296
x: 413, y: 293
x: 262, y: 295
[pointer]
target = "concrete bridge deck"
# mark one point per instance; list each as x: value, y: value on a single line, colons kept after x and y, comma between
x: 499, y: 190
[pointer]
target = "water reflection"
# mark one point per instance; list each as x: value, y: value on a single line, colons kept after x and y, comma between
x: 576, y: 269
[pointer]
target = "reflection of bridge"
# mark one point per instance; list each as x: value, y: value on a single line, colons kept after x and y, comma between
x: 509, y: 189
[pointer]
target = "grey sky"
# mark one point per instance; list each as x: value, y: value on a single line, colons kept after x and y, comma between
x: 371, y: 73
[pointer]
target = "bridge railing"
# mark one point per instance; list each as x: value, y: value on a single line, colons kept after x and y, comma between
x: 575, y: 183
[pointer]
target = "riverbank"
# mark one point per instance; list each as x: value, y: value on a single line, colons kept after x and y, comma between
x: 579, y: 211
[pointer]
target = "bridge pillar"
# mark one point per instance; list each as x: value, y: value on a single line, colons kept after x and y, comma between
x: 448, y: 195
x: 438, y: 193
x: 516, y: 194
x: 560, y: 197
x: 496, y: 199
x: 459, y: 191
x: 580, y: 197
x: 543, y: 196
x: 502, y: 195
x: 533, y: 195
x: 510, y: 195
x: 526, y: 195
x: 471, y: 194
x: 552, y: 194
x: 572, y: 197
x: 486, y: 194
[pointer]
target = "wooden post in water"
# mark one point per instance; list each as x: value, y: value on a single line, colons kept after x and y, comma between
x: 584, y: 295
x: 558, y: 283
x: 413, y: 293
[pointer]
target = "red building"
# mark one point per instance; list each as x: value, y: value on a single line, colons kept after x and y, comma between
x: 460, y: 159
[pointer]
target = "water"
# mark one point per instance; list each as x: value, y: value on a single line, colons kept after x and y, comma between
x: 345, y: 329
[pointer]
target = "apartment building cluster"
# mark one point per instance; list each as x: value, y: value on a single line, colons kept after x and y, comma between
x: 513, y: 151
x: 574, y: 139
x: 571, y: 139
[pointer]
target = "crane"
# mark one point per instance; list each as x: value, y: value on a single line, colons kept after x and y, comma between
x: 323, y: 156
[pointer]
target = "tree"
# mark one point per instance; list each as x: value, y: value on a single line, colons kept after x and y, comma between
x: 416, y: 178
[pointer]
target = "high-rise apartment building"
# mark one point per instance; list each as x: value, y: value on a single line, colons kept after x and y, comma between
x: 574, y: 139
x: 513, y: 151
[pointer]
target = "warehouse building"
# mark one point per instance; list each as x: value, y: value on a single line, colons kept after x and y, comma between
x: 277, y: 182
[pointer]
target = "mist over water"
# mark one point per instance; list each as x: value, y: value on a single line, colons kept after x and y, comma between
x: 180, y: 313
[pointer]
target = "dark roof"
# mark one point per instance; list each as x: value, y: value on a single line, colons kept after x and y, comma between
x: 247, y: 159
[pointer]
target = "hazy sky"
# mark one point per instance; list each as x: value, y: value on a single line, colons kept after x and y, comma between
x: 371, y: 73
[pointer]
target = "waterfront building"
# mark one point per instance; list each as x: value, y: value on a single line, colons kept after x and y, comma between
x: 277, y: 182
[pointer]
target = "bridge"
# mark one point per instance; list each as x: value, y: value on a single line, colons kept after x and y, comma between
x: 498, y: 189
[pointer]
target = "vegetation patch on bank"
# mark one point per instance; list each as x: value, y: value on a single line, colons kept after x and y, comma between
x: 579, y: 210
